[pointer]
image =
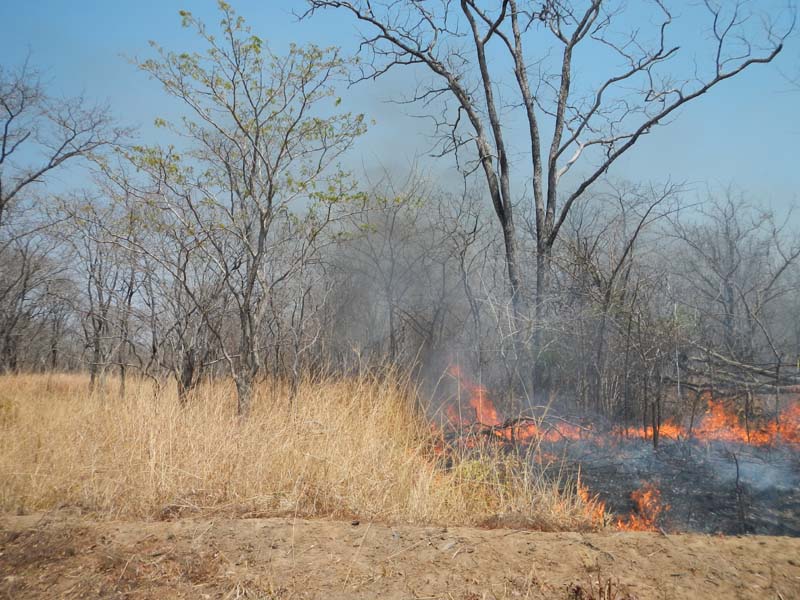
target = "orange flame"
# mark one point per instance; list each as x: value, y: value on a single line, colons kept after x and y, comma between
x: 717, y: 424
x: 789, y: 424
x: 485, y: 411
x: 721, y: 424
x: 487, y: 414
x: 594, y: 507
x: 648, y: 508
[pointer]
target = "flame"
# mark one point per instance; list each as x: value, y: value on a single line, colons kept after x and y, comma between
x: 721, y: 424
x: 718, y: 423
x: 486, y: 414
x: 789, y: 424
x: 647, y: 500
x: 594, y: 507
x: 452, y: 414
x: 485, y: 411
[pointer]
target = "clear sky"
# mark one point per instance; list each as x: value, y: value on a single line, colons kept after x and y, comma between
x: 746, y: 132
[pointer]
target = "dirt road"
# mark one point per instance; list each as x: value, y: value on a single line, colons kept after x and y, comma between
x: 66, y: 556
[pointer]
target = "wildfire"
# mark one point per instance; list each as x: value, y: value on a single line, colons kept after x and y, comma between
x: 789, y: 425
x: 718, y: 423
x: 648, y: 508
x: 722, y: 425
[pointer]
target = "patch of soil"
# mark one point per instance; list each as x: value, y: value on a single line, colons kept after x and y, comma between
x: 68, y: 556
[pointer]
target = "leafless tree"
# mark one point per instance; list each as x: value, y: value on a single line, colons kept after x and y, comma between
x: 40, y: 133
x: 26, y: 277
x: 601, y: 243
x: 737, y: 273
x: 380, y: 248
x: 589, y: 121
x: 101, y: 271
x: 736, y: 262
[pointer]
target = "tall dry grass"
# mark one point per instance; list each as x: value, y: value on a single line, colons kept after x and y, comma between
x: 344, y: 448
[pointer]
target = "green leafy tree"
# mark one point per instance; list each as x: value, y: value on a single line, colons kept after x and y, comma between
x: 255, y: 185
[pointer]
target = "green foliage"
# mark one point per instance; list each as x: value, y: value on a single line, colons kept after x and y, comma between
x: 249, y: 106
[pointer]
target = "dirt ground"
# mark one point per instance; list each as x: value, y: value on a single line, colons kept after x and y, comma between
x: 63, y: 555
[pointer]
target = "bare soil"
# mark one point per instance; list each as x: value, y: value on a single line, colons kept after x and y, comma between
x: 65, y: 555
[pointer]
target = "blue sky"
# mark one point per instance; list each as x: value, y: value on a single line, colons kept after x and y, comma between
x: 745, y: 133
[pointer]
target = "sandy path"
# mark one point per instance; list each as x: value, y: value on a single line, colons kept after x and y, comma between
x: 62, y: 556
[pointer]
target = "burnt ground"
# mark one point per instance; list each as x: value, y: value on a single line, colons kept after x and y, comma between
x: 698, y: 480
x: 66, y: 555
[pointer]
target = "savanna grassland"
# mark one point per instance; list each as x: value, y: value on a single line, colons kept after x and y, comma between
x: 341, y: 448
x: 340, y: 491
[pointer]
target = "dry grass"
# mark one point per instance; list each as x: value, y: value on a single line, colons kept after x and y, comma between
x: 345, y: 448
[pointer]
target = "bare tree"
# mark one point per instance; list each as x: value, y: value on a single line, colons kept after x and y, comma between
x: 40, y: 133
x: 569, y: 122
x: 736, y: 263
x: 98, y: 265
x: 379, y: 248
x: 601, y: 244
x: 26, y: 274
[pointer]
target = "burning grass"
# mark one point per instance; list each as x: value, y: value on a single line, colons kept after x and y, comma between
x: 649, y: 507
x: 704, y: 459
x: 343, y: 448
x: 720, y: 423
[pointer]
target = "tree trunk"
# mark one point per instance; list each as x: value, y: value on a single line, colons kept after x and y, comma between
x: 540, y: 372
x: 244, y: 394
x: 123, y: 375
x: 94, y: 367
x: 392, y: 334
x: 186, y: 377
x: 54, y: 349
x: 657, y: 413
x: 10, y: 352
x: 600, y: 363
